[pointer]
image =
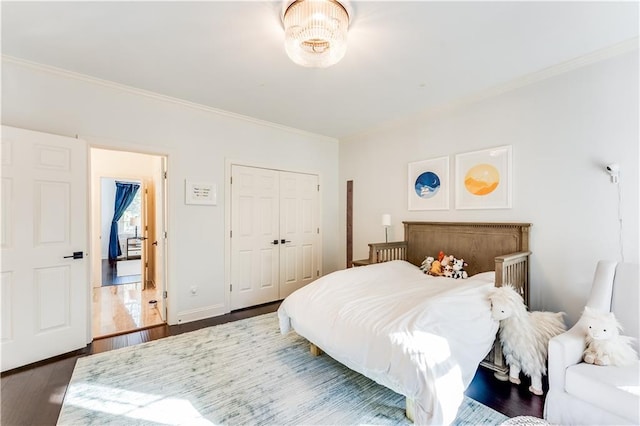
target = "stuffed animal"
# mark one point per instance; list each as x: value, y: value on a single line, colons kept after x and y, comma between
x: 446, y: 260
x: 524, y: 335
x: 458, y: 269
x: 426, y: 264
x: 605, y: 345
x: 436, y: 268
x: 448, y: 271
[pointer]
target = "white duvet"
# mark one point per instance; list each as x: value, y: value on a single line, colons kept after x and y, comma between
x: 421, y: 336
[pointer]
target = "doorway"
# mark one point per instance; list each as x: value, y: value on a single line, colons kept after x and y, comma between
x: 127, y: 227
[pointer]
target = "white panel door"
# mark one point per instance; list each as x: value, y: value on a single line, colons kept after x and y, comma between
x: 44, y: 221
x: 298, y: 231
x: 254, y: 239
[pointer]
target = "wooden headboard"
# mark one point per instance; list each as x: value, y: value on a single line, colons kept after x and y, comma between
x: 488, y: 246
x: 477, y: 243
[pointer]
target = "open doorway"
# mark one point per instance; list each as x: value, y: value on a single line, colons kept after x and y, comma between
x: 128, y: 217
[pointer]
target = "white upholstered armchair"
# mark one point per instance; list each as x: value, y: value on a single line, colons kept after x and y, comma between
x: 586, y: 394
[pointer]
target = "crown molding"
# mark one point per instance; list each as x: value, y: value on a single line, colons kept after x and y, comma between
x: 546, y: 73
x: 153, y: 95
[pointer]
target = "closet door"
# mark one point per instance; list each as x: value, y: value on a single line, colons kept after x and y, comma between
x: 298, y: 231
x: 255, y: 236
x: 274, y: 234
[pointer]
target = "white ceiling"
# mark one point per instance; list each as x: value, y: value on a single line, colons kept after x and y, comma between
x: 403, y: 57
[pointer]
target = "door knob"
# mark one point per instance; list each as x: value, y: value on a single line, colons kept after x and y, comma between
x: 75, y: 255
x: 155, y: 243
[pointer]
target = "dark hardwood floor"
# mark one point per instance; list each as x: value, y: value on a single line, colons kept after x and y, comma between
x: 32, y: 395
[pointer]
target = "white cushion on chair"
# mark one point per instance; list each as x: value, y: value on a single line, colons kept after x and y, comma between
x: 615, y: 389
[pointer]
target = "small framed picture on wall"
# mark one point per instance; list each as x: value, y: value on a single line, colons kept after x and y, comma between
x: 428, y: 184
x: 483, y: 179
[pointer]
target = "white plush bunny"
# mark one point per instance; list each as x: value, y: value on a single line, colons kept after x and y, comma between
x: 605, y: 345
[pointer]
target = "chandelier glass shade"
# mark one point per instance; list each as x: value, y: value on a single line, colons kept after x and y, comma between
x: 316, y: 32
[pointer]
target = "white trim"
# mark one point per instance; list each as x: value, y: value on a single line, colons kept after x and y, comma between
x: 153, y: 95
x: 201, y: 313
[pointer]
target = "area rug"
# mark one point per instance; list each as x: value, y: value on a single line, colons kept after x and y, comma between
x: 239, y: 373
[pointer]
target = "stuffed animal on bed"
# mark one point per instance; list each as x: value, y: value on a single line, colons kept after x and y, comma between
x: 605, y: 345
x: 447, y: 271
x: 447, y: 260
x: 458, y: 269
x: 436, y: 269
x: 426, y: 264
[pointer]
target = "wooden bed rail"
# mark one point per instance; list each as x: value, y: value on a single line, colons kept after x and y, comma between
x: 514, y: 269
x: 384, y: 252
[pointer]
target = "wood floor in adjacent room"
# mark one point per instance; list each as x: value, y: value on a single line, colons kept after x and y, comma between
x: 33, y: 395
x: 123, y: 308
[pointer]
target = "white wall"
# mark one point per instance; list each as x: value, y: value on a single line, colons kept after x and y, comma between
x: 197, y: 142
x: 563, y: 131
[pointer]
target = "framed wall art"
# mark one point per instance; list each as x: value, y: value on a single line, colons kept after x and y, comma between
x: 428, y: 184
x: 483, y: 179
x: 202, y: 193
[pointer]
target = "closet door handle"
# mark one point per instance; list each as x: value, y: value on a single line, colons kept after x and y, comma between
x: 282, y: 241
x: 274, y: 242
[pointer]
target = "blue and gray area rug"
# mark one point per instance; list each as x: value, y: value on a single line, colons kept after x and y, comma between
x: 239, y: 373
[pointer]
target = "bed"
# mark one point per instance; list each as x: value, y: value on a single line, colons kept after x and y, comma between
x: 421, y: 336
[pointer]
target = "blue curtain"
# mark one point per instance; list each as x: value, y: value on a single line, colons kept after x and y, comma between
x: 125, y: 193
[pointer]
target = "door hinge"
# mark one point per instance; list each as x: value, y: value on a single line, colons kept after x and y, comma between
x: 165, y: 234
x: 231, y: 180
x: 230, y: 234
x: 318, y: 188
x: 318, y: 273
x: 230, y: 287
x: 165, y: 175
x: 146, y: 191
x: 146, y: 264
x: 164, y: 294
x: 317, y: 230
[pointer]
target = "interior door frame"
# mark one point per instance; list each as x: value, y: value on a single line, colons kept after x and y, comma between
x: 96, y: 143
x: 227, y: 218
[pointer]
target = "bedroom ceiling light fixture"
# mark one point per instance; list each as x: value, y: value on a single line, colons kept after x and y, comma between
x: 315, y: 32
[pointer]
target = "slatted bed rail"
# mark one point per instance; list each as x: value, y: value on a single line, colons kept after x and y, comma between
x: 514, y: 269
x: 384, y: 252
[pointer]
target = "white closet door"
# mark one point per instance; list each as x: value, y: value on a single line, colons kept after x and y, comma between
x: 44, y: 221
x: 298, y: 231
x: 254, y: 227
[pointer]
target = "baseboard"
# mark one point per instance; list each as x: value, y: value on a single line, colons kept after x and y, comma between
x: 201, y: 313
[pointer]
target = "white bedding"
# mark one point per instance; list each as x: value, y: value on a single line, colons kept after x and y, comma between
x: 421, y: 336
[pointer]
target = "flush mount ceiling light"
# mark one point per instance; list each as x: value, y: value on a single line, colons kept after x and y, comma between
x: 316, y: 32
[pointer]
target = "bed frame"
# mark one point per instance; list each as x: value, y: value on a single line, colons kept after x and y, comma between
x: 499, y: 247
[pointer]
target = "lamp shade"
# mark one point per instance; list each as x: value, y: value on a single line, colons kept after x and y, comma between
x: 386, y: 220
x: 316, y: 32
